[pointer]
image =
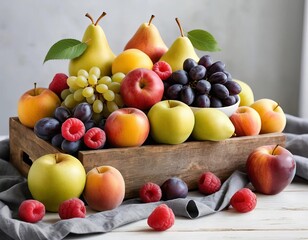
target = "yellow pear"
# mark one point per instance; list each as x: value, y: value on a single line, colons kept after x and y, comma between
x: 179, y: 51
x: 98, y: 52
x: 212, y: 124
x: 246, y: 95
x: 147, y: 39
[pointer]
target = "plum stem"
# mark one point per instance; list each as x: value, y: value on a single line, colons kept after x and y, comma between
x: 273, y: 152
x: 151, y: 20
x: 100, y: 17
x: 179, y: 24
x: 90, y: 17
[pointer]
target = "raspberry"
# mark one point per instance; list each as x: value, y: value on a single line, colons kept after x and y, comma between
x: 58, y: 83
x: 244, y: 200
x: 95, y: 138
x: 72, y: 208
x: 161, y: 218
x: 73, y: 129
x: 209, y: 183
x: 150, y: 192
x: 162, y: 69
x: 31, y: 211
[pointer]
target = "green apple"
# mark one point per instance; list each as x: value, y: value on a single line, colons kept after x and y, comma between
x: 54, y: 178
x: 246, y: 95
x: 212, y: 124
x: 171, y: 122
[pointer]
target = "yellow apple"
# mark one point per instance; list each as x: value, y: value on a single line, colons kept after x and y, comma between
x: 272, y: 116
x: 246, y: 95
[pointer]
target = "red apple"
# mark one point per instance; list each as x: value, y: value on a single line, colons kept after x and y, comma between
x: 246, y: 121
x: 141, y: 88
x: 104, y: 189
x: 270, y: 168
x: 127, y: 127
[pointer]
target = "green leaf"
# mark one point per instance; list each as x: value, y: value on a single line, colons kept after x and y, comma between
x: 66, y: 49
x: 203, y: 40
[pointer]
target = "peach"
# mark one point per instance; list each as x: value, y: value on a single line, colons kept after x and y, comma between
x: 127, y: 127
x: 272, y: 116
x: 104, y: 189
x: 246, y: 121
x: 36, y: 104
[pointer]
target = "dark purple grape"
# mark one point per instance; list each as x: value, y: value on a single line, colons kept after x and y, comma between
x: 83, y: 111
x: 173, y: 92
x: 187, y: 95
x: 218, y: 66
x: 202, y: 101
x: 101, y: 123
x: 188, y: 64
x: 62, y: 113
x: 180, y: 77
x: 218, y: 77
x: 89, y: 124
x: 197, y: 72
x: 203, y: 87
x: 233, y: 87
x: 57, y: 140
x: 229, y: 77
x: 205, y: 61
x: 219, y: 91
x: 216, y: 102
x: 71, y: 147
x: 228, y: 101
x: 174, y: 188
x: 47, y: 127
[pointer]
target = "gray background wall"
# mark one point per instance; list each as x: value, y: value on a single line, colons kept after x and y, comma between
x: 261, y: 40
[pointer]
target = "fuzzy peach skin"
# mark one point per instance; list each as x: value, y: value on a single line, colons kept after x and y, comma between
x: 35, y: 104
x: 272, y: 115
x: 127, y: 127
x: 104, y: 189
x: 246, y: 121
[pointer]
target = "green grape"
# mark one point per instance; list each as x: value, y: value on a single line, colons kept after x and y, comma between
x: 71, y: 82
x: 83, y: 72
x: 78, y: 97
x: 105, y: 112
x: 101, y: 88
x: 88, y: 92
x: 70, y: 101
x: 104, y: 80
x: 115, y: 87
x: 118, y: 100
x: 98, y: 106
x: 65, y: 93
x: 92, y: 79
x: 109, y: 95
x: 81, y: 81
x: 91, y: 99
x: 118, y: 77
x: 96, y: 71
x: 112, y: 106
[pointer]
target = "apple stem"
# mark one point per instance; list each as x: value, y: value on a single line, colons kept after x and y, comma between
x: 35, y: 92
x: 151, y: 20
x: 179, y: 24
x: 276, y: 106
x: 89, y: 16
x: 100, y: 17
x: 275, y: 149
x: 97, y: 169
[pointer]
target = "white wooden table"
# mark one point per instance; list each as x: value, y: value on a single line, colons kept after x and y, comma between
x: 281, y: 216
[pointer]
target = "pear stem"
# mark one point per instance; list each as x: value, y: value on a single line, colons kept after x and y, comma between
x: 151, y: 20
x: 181, y: 29
x: 100, y: 17
x: 89, y: 16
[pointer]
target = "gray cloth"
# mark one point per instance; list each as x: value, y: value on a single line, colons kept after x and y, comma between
x: 13, y: 190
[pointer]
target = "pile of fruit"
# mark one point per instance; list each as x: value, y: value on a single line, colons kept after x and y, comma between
x: 149, y: 93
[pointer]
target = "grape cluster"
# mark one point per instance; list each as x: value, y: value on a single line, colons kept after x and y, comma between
x: 103, y: 93
x: 72, y: 130
x: 202, y: 84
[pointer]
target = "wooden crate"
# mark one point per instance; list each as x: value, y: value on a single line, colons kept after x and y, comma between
x: 154, y: 163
